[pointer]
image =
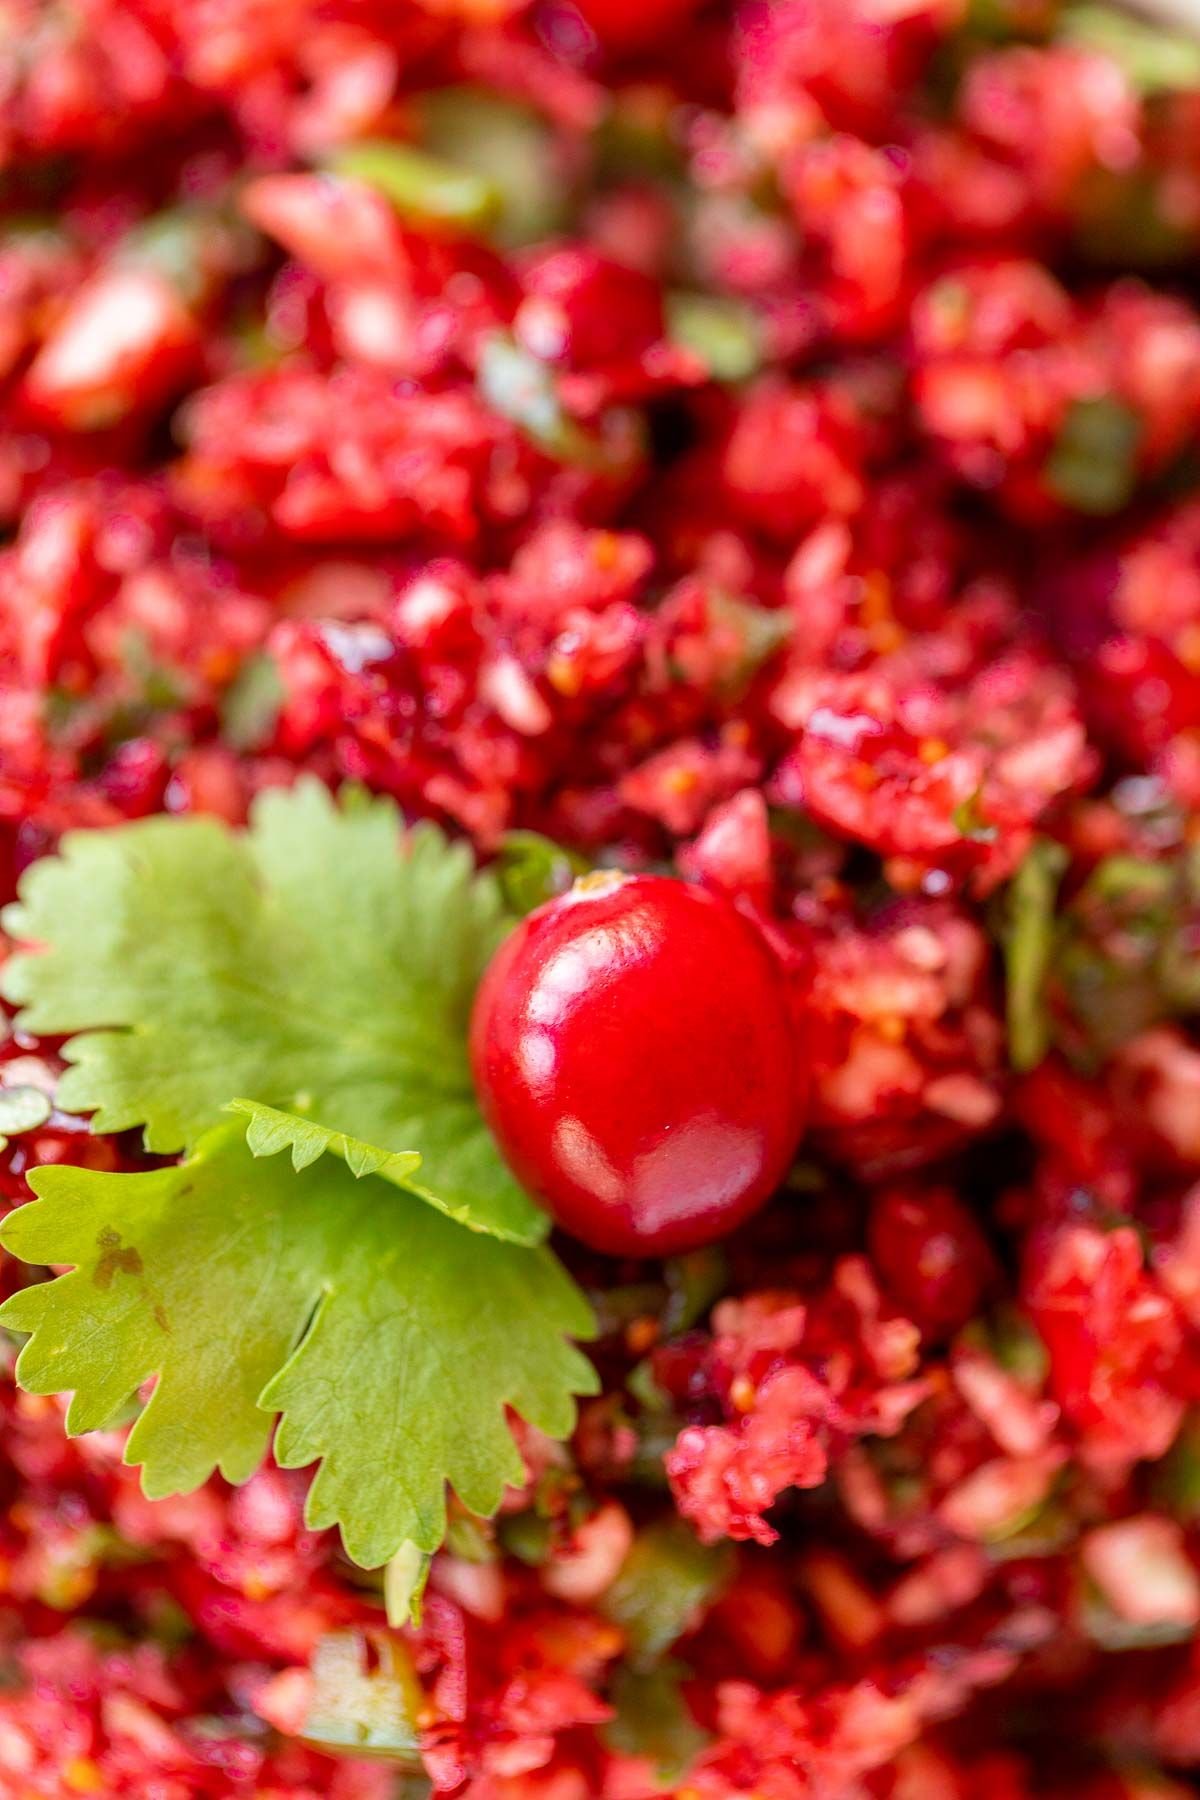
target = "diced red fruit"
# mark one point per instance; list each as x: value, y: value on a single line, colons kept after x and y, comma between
x: 733, y: 851
x: 1156, y: 1083
x: 850, y: 203
x: 1049, y: 403
x: 1114, y: 1338
x: 582, y: 309
x: 634, y: 1054
x: 726, y: 1477
x: 792, y: 457
x: 124, y: 342
x: 135, y: 777
x: 1142, y: 1568
x: 850, y: 61
x: 625, y: 25
x: 762, y: 1623
x: 339, y: 227
x: 440, y: 689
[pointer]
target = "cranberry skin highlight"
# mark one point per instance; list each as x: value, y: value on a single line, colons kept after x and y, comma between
x: 635, y: 1056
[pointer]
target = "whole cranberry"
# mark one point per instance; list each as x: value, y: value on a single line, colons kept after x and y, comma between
x: 635, y: 1055
x: 931, y: 1254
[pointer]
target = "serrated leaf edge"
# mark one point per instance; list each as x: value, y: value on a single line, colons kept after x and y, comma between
x: 271, y: 1129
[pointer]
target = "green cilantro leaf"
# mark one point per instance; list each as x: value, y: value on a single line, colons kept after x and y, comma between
x: 320, y: 961
x: 389, y: 1339
x: 268, y: 1131
x: 1125, y: 956
x: 518, y: 386
x: 505, y: 144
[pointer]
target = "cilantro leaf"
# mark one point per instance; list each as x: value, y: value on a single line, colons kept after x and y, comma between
x: 389, y: 1339
x: 268, y: 1131
x: 320, y: 961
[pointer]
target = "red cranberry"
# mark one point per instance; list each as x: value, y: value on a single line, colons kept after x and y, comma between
x: 624, y: 27
x: 931, y: 1254
x: 634, y: 1053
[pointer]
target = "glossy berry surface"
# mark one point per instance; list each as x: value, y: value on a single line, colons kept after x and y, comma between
x: 635, y: 1057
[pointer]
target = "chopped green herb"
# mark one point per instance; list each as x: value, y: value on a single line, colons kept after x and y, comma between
x: 663, y: 1586
x: 653, y: 1720
x: 251, y: 704
x: 694, y: 1281
x: 1156, y: 59
x: 527, y: 1536
x: 724, y: 334
x: 470, y: 1539
x: 178, y: 244
x: 972, y: 821
x: 1127, y: 952
x: 641, y: 1384
x: 1028, y: 947
x: 423, y: 187
x: 1093, y: 465
x: 523, y: 389
x: 533, y: 869
x: 509, y: 148
x: 760, y: 631
x: 160, y: 688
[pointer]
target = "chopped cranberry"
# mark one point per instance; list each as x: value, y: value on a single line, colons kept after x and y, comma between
x: 581, y: 309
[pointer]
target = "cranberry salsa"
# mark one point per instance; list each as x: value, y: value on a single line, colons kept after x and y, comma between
x: 600, y: 851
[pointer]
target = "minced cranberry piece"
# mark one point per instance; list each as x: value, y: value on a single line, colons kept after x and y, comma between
x: 581, y: 309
